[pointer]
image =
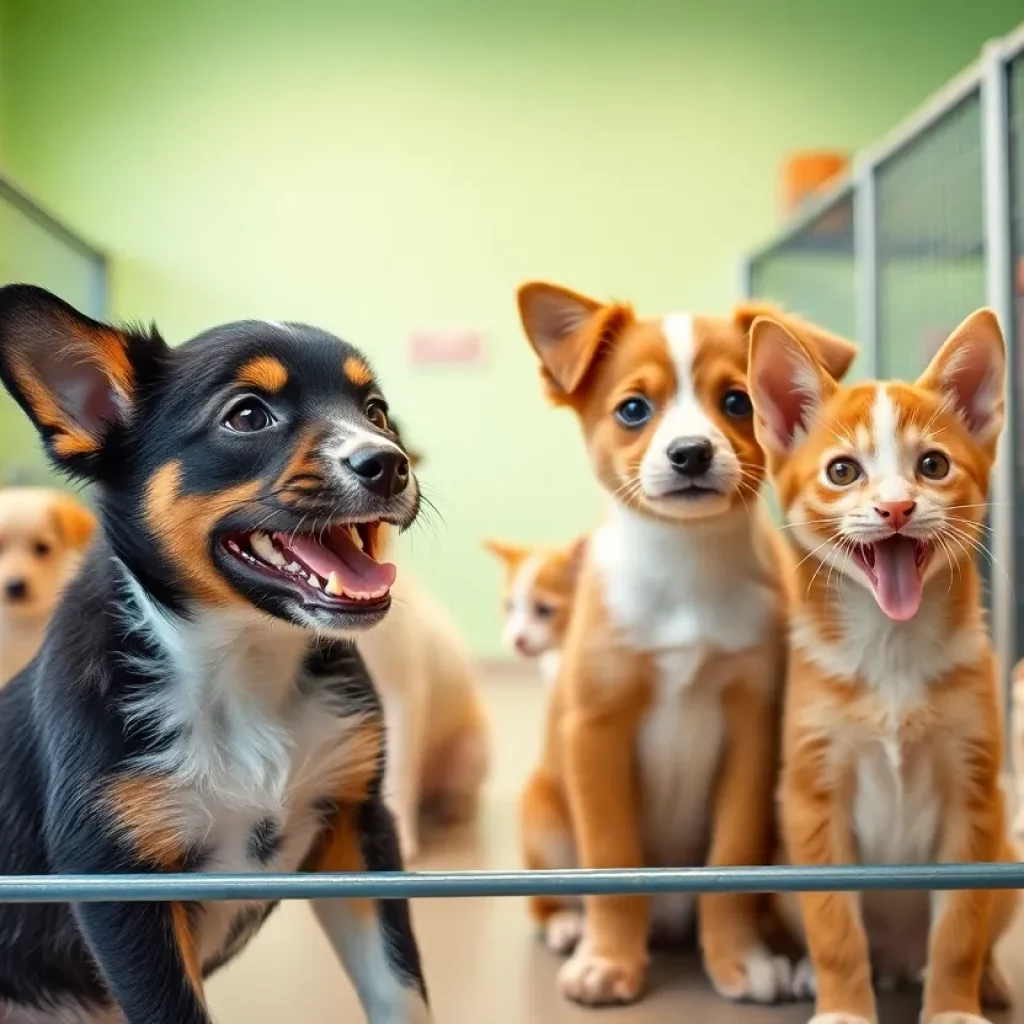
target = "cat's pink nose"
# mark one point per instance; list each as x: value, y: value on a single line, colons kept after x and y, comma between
x: 896, y: 513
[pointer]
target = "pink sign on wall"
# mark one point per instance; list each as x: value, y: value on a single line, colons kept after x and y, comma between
x: 446, y: 348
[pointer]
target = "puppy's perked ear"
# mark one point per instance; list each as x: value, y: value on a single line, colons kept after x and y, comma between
x: 787, y: 385
x: 72, y: 375
x: 75, y: 522
x: 567, y: 331
x: 969, y: 371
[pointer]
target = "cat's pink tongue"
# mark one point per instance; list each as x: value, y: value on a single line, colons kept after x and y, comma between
x: 898, y: 583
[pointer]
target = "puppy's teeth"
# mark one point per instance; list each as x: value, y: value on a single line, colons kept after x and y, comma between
x: 264, y: 547
x: 234, y: 547
x: 293, y: 567
x: 334, y: 586
x: 314, y: 581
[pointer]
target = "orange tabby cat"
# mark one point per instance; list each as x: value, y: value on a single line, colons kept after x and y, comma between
x: 892, y: 729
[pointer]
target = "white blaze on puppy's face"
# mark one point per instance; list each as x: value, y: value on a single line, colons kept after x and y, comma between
x: 662, y: 403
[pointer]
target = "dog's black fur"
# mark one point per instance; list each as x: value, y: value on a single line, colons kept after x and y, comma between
x: 94, y: 769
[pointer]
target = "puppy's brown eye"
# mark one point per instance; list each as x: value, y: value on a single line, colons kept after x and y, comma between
x: 933, y: 466
x: 843, y: 472
x: 736, y: 403
x: 42, y: 549
x: 248, y: 416
x: 377, y: 414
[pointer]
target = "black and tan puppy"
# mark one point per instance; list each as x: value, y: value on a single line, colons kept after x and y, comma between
x: 195, y: 706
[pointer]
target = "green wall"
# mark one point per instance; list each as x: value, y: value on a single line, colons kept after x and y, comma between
x: 379, y: 168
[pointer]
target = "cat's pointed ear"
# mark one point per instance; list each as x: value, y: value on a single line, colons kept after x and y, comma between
x: 73, y: 376
x: 511, y: 554
x: 787, y: 385
x: 970, y: 371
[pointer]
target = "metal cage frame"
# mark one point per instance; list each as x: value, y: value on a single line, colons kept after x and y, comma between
x: 988, y: 80
x: 990, y: 75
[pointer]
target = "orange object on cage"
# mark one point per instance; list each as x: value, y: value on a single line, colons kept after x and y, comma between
x: 808, y: 172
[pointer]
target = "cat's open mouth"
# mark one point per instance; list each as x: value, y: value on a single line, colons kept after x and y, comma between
x: 895, y: 566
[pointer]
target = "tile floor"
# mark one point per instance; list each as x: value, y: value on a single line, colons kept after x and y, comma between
x: 482, y: 962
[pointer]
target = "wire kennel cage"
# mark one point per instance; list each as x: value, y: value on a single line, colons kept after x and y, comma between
x: 865, y: 260
x: 926, y: 228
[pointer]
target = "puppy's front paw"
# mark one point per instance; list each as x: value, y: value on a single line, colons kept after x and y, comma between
x: 838, y: 1018
x: 598, y: 980
x: 957, y: 1018
x: 756, y: 976
x: 562, y: 931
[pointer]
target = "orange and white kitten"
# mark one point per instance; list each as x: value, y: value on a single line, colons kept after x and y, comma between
x: 539, y: 587
x: 892, y: 737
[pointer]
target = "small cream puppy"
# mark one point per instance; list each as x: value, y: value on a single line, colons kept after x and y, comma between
x: 437, y: 733
x: 43, y: 534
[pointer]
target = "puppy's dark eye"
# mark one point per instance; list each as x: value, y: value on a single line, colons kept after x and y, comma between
x: 377, y: 414
x: 41, y: 548
x: 736, y: 403
x: 542, y: 610
x: 248, y: 416
x: 634, y: 411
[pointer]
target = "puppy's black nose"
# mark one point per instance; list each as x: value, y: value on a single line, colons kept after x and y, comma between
x: 383, y: 471
x: 691, y: 456
x: 16, y: 590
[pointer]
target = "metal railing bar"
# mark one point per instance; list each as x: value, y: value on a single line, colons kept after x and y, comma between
x: 366, y: 885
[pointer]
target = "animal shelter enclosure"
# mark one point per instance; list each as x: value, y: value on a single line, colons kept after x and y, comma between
x: 438, y: 465
x: 927, y: 227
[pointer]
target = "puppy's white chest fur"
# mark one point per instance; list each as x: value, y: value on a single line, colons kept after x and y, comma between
x: 254, y: 746
x: 669, y: 586
x: 689, y: 597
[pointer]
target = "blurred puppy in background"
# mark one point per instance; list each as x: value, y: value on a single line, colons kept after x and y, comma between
x: 43, y: 534
x: 539, y: 587
x: 1017, y: 749
x: 437, y: 732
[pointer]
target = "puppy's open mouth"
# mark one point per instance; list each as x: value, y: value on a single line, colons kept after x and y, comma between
x: 337, y: 565
x: 895, y: 566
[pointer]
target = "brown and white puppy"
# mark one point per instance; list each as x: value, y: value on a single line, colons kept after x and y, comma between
x: 43, y: 533
x: 539, y: 587
x: 661, y: 742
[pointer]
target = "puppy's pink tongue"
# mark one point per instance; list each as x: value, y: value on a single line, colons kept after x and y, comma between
x: 898, y: 583
x: 357, y: 572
